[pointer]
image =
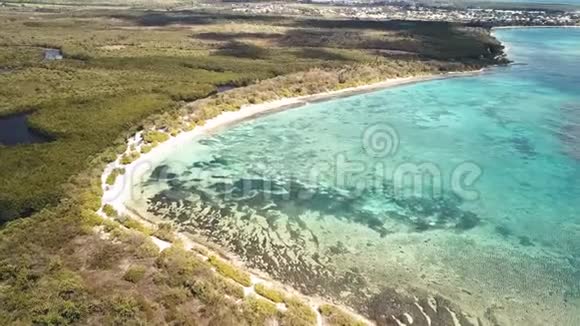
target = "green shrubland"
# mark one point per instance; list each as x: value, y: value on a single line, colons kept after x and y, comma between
x: 133, y: 224
x: 165, y: 231
x: 337, y: 317
x: 130, y: 157
x: 229, y: 287
x: 269, y: 293
x: 259, y: 311
x: 112, y: 177
x: 135, y: 274
x: 230, y: 271
x: 155, y: 136
x: 146, y: 148
x: 110, y: 211
x: 298, y: 314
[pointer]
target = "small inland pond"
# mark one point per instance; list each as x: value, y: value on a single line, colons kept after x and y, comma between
x: 14, y: 130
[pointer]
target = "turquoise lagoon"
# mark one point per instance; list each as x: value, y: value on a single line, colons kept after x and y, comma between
x: 450, y: 201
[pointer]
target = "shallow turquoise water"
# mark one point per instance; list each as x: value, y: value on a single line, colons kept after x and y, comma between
x: 468, y: 188
x: 555, y: 2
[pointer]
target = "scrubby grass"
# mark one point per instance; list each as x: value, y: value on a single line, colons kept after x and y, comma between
x: 298, y: 314
x: 230, y: 287
x: 334, y: 316
x: 259, y: 311
x: 134, y: 274
x: 134, y: 224
x: 112, y: 177
x: 230, y: 271
x: 130, y: 157
x: 155, y: 136
x: 55, y: 270
x: 146, y: 148
x: 110, y: 211
x: 269, y: 293
x: 165, y: 231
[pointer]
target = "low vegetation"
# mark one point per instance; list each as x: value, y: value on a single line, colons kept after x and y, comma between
x: 155, y: 136
x: 259, y: 310
x: 146, y: 148
x: 112, y: 177
x: 165, y: 232
x: 269, y: 293
x: 334, y: 316
x: 110, y: 211
x: 230, y: 271
x: 130, y: 70
x: 130, y: 157
x: 133, y: 224
x: 230, y: 288
x: 298, y: 314
x: 135, y: 274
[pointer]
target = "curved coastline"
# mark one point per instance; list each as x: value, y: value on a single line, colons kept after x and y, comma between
x: 507, y: 48
x: 216, y: 188
x: 117, y: 194
x: 120, y: 192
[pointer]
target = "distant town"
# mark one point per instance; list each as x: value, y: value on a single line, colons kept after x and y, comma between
x: 485, y: 14
x: 405, y: 11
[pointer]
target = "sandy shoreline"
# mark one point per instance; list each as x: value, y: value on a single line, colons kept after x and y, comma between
x: 120, y: 192
x: 253, y: 111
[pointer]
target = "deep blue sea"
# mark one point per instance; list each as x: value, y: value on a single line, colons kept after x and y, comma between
x: 461, y: 193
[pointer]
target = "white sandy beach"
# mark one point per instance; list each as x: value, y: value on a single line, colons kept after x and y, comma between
x: 119, y: 193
